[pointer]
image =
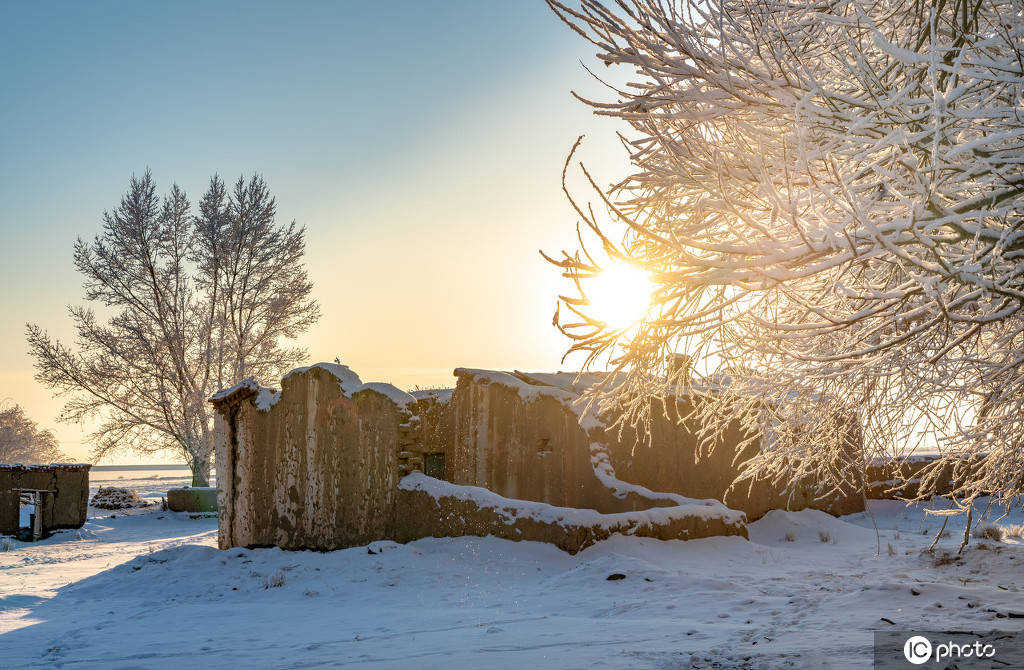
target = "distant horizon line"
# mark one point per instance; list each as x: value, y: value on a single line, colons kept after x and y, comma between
x: 141, y: 466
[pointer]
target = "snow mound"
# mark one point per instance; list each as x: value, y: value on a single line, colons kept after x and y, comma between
x: 807, y: 526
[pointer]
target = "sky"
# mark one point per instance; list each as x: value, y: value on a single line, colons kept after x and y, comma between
x: 420, y: 143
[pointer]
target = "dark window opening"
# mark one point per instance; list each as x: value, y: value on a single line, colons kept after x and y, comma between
x: 433, y: 465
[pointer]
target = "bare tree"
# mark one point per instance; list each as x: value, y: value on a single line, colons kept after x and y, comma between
x: 829, y: 197
x: 21, y: 440
x: 191, y: 303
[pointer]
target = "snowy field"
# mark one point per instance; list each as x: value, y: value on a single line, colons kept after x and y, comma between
x: 150, y: 590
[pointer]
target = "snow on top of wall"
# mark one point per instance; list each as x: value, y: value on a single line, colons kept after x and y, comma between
x: 565, y: 387
x: 42, y: 466
x: 442, y: 395
x: 397, y: 395
x: 882, y: 461
x: 249, y: 383
x: 576, y: 382
x: 267, y: 398
x: 351, y: 384
x: 526, y: 391
x: 605, y: 473
x: 345, y: 375
x: 512, y: 509
x: 348, y: 381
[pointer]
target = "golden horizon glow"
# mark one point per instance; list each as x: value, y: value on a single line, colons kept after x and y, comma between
x: 620, y: 295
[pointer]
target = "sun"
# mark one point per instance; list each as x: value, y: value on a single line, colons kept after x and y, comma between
x: 620, y: 295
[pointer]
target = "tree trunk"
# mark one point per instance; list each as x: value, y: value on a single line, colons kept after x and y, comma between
x: 201, y: 470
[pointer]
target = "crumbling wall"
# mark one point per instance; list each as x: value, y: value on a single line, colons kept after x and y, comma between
x: 67, y: 508
x: 900, y: 478
x: 317, y: 465
x: 525, y: 440
x: 434, y: 437
x: 314, y: 466
x: 671, y: 462
x: 428, y: 507
x: 529, y: 436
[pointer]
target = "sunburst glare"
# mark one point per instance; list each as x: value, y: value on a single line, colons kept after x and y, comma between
x: 620, y: 295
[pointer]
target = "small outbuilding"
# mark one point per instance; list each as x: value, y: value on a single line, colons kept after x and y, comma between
x: 59, y: 492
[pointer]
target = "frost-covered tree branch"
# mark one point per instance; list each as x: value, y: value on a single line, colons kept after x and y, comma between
x: 829, y: 197
x: 192, y: 303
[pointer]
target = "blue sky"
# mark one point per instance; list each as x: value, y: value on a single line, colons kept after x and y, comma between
x: 420, y: 144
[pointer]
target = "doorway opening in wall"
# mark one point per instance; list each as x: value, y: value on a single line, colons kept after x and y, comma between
x: 26, y: 514
x: 30, y: 514
x: 433, y: 465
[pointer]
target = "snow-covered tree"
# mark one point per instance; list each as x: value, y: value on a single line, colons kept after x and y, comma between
x: 190, y: 303
x: 21, y: 440
x: 829, y: 199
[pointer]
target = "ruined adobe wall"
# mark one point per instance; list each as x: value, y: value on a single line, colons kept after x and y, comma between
x: 900, y: 478
x: 329, y: 462
x: 431, y: 508
x: 314, y: 466
x: 68, y: 508
x: 524, y: 440
x: 10, y: 502
x: 526, y: 436
x: 670, y: 463
x: 431, y: 431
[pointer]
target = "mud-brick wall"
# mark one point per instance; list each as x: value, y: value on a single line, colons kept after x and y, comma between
x: 422, y: 513
x: 434, y: 433
x: 901, y: 478
x: 67, y: 508
x: 531, y: 449
x: 669, y: 462
x: 317, y: 470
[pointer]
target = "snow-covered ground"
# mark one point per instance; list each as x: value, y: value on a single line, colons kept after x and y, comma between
x: 149, y: 589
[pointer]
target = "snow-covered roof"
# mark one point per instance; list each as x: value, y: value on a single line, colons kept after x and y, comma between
x: 40, y: 467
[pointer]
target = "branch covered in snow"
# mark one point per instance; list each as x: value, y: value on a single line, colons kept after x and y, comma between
x: 829, y: 199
